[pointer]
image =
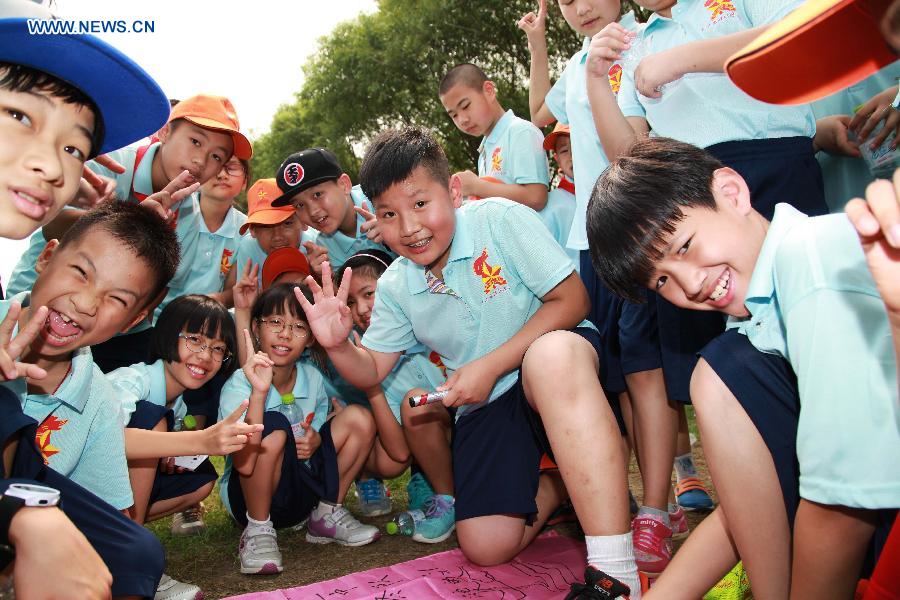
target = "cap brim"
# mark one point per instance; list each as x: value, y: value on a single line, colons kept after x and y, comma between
x: 266, y: 216
x: 287, y: 197
x: 818, y: 49
x: 131, y: 103
x: 243, y: 149
x: 550, y: 140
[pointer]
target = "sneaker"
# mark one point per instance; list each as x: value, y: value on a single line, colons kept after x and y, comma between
x: 440, y: 520
x: 374, y: 498
x: 419, y: 490
x: 691, y: 494
x: 678, y: 523
x: 597, y: 586
x: 189, y: 521
x: 259, y: 552
x: 172, y: 589
x: 341, y: 527
x: 734, y: 586
x: 652, y: 544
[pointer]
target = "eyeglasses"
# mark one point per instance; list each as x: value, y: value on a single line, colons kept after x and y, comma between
x: 196, y: 345
x: 277, y: 325
x: 234, y: 169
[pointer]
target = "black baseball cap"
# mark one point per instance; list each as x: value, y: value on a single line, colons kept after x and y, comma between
x: 305, y: 169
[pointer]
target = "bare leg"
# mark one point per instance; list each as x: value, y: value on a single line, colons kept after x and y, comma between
x: 142, y: 473
x: 352, y: 431
x: 381, y: 465
x: 261, y: 484
x: 427, y: 431
x: 830, y: 544
x: 164, y: 508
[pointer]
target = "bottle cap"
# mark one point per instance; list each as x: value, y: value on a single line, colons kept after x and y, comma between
x: 287, y: 398
x: 392, y: 528
x: 189, y: 422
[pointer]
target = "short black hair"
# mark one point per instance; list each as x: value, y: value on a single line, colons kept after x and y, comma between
x: 636, y: 205
x: 369, y: 262
x: 395, y: 153
x: 194, y: 313
x: 19, y: 78
x: 465, y: 73
x: 281, y: 298
x: 138, y: 227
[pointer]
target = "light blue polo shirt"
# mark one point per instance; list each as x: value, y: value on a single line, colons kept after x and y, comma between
x: 23, y: 276
x: 568, y: 101
x: 706, y: 109
x: 846, y: 177
x: 341, y: 247
x: 206, y: 256
x: 814, y: 302
x: 80, y: 433
x: 557, y: 215
x: 502, y: 262
x: 413, y: 370
x: 141, y: 381
x: 513, y: 152
x: 248, y: 247
x: 309, y: 395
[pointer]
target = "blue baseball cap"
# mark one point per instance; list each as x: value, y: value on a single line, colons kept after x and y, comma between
x: 131, y: 104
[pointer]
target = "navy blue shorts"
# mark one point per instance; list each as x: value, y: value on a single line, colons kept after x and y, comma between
x: 639, y: 335
x: 605, y: 310
x: 170, y: 485
x: 511, y: 434
x: 302, y: 483
x: 682, y: 333
x: 766, y: 388
x: 122, y: 350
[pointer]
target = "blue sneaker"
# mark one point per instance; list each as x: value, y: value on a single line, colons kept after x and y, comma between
x: 419, y: 491
x: 440, y: 520
x: 690, y: 494
x: 374, y: 499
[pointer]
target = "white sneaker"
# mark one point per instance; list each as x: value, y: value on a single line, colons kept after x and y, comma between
x: 259, y: 552
x: 189, y: 521
x: 172, y: 589
x: 341, y: 527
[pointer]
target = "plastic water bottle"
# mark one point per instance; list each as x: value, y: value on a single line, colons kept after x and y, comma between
x: 405, y: 523
x: 294, y: 415
x: 882, y: 160
x: 186, y: 423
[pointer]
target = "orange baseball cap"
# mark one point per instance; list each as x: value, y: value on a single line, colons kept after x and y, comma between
x: 216, y: 113
x: 259, y: 205
x: 820, y: 48
x: 283, y: 260
x: 550, y: 140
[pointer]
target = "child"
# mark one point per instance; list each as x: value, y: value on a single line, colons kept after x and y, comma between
x: 270, y: 229
x: 192, y: 340
x: 98, y: 280
x: 493, y: 275
x: 285, y: 265
x: 510, y: 151
x: 276, y: 480
x: 416, y: 373
x: 560, y: 209
x: 326, y: 201
x: 801, y: 301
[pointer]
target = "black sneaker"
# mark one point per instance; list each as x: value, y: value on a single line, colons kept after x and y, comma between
x: 598, y: 586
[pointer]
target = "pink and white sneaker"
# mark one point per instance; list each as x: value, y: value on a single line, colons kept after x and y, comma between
x: 339, y: 526
x: 652, y: 544
x: 679, y: 524
x: 259, y: 551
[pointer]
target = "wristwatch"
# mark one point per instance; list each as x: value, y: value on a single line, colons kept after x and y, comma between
x: 15, y: 497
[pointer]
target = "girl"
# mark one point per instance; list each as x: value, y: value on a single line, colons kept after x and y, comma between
x: 415, y: 374
x: 193, y: 340
x: 277, y: 480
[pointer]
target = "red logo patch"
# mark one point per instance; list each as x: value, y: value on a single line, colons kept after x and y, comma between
x: 293, y: 174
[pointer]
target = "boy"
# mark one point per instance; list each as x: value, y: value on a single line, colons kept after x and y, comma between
x: 510, y: 152
x: 560, y: 209
x: 97, y: 281
x: 492, y: 271
x: 671, y: 217
x: 326, y: 201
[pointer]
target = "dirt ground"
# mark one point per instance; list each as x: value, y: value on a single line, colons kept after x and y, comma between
x: 210, y: 559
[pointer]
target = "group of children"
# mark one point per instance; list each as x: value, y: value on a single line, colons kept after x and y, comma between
x: 562, y: 326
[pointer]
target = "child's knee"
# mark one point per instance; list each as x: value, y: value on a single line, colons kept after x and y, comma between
x: 275, y: 440
x: 359, y: 421
x: 162, y: 425
x: 557, y: 355
x: 407, y: 411
x: 706, y: 386
x: 487, y: 544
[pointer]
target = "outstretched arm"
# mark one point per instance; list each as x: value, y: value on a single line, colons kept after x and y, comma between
x: 535, y: 28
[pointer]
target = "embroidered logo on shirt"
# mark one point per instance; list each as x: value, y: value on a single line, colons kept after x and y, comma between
x: 615, y: 78
x: 496, y: 160
x: 42, y: 437
x: 435, y: 359
x: 719, y: 9
x: 490, y: 276
x: 224, y: 264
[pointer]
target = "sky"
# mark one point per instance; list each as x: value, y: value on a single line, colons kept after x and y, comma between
x: 251, y: 51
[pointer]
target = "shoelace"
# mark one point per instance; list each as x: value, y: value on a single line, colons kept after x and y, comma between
x: 192, y: 514
x: 371, y: 490
x: 437, y: 506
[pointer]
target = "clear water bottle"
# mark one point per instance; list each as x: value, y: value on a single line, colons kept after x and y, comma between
x: 186, y: 423
x: 881, y: 160
x: 405, y: 523
x: 294, y: 415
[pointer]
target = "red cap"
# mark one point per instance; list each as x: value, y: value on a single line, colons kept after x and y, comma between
x: 216, y: 113
x: 283, y: 260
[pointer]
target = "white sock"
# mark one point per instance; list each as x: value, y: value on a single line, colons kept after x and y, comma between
x: 253, y: 525
x: 614, y: 555
x: 684, y: 467
x: 323, y: 508
x: 662, y: 515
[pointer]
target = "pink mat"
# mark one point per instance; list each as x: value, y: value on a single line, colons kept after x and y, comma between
x: 543, y: 571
